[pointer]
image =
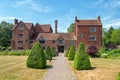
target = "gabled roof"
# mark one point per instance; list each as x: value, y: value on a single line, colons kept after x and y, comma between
x: 27, y: 25
x: 88, y: 22
x: 45, y: 28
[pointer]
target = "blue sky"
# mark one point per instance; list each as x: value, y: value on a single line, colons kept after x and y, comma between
x: 46, y: 11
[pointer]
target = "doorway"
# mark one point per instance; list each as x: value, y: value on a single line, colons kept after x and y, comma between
x: 61, y: 49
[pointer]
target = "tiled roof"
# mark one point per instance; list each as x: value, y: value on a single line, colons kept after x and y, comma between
x: 52, y: 36
x: 28, y: 25
x: 88, y: 22
x: 43, y: 28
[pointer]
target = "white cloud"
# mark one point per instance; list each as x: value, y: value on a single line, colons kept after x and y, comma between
x: 114, y: 24
x: 98, y: 2
x: 31, y: 4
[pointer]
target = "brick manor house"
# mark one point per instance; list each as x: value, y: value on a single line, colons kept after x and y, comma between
x: 24, y: 35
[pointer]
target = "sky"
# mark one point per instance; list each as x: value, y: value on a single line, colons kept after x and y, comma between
x: 46, y: 11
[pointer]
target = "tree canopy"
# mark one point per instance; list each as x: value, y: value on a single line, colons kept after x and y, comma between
x: 71, y: 28
x: 5, y: 33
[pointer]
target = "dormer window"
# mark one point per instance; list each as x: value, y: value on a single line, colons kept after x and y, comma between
x: 42, y: 40
x: 92, y: 29
x: 21, y: 28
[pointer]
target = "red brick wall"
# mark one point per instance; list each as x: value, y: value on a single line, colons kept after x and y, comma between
x: 85, y: 30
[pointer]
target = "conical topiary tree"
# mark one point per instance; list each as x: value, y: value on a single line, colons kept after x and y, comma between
x: 36, y: 58
x: 53, y: 52
x: 71, y: 53
x: 81, y: 60
x: 48, y: 53
x: 67, y: 52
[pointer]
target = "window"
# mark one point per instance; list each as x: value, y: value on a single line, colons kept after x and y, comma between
x: 92, y: 38
x: 20, y: 35
x: 72, y: 42
x: 20, y: 48
x: 31, y: 41
x: 42, y: 40
x: 61, y: 41
x: 92, y: 29
x: 21, y: 28
x: 81, y: 34
x: 20, y: 42
x: 53, y: 41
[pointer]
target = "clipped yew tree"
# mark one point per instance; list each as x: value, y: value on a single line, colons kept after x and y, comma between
x: 71, y: 53
x: 53, y: 52
x: 67, y: 52
x: 48, y: 53
x: 81, y: 60
x: 36, y: 58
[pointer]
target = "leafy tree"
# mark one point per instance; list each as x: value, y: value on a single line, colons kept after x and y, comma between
x: 107, y: 35
x: 81, y: 60
x: 71, y: 53
x: 71, y: 28
x: 115, y: 37
x: 5, y: 33
x: 48, y: 53
x: 36, y: 59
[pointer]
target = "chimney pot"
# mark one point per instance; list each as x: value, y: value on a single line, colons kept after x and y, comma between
x: 15, y: 21
x: 76, y: 18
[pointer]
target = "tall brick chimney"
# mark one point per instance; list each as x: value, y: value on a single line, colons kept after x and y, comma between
x: 15, y: 21
x: 76, y: 18
x: 56, y: 24
x: 99, y: 18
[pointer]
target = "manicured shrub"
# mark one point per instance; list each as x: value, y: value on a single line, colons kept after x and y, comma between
x: 67, y: 52
x: 114, y: 53
x: 81, y: 60
x: 92, y: 51
x: 36, y: 58
x: 71, y: 53
x: 53, y: 52
x: 48, y: 53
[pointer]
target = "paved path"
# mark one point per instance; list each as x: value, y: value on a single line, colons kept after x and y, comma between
x: 60, y: 70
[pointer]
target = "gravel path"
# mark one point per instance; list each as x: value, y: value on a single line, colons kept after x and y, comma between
x: 60, y: 70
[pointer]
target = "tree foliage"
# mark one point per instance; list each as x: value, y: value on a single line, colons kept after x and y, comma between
x: 67, y: 52
x: 48, y: 53
x: 107, y: 35
x: 5, y: 33
x: 36, y: 59
x: 115, y: 37
x: 53, y: 52
x: 92, y: 51
x: 71, y: 53
x: 71, y: 28
x: 81, y: 60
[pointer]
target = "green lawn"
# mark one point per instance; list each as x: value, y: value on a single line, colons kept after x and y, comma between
x: 14, y: 68
x: 103, y: 69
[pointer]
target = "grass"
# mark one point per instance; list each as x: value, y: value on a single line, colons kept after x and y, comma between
x: 14, y: 68
x: 103, y: 69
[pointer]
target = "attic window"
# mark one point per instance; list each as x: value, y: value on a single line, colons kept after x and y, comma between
x: 92, y: 29
x: 21, y: 28
x: 42, y: 40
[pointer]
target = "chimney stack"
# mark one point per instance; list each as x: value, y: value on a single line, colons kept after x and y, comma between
x: 15, y: 21
x: 56, y: 24
x: 99, y: 18
x: 76, y: 18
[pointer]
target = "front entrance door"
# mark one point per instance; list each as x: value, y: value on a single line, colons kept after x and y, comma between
x: 61, y: 49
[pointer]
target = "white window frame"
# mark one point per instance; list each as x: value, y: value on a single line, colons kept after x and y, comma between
x: 92, y: 29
